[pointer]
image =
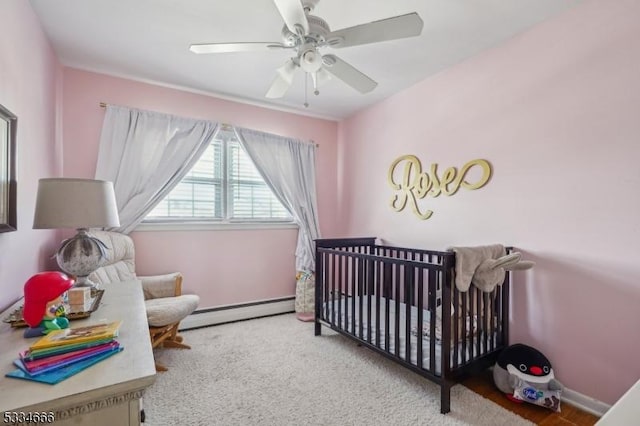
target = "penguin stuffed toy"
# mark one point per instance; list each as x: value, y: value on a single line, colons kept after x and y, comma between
x: 524, y: 374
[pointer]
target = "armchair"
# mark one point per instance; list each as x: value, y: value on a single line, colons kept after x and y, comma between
x: 165, y: 304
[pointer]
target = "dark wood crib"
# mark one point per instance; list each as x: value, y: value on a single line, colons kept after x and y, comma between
x: 393, y: 301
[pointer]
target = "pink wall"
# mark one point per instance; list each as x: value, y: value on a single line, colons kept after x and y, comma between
x: 223, y: 267
x: 30, y: 87
x: 556, y: 112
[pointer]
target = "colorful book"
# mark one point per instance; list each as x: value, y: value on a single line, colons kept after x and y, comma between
x: 43, y: 365
x: 60, y: 374
x: 30, y: 355
x: 70, y: 336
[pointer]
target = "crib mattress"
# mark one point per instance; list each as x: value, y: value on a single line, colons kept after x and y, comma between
x: 415, y: 335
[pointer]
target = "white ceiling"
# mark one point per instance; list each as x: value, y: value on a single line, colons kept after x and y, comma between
x: 149, y: 40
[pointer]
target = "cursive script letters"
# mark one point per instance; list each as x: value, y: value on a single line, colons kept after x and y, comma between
x: 414, y: 184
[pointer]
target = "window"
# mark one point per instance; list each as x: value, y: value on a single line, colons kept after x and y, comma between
x: 223, y: 186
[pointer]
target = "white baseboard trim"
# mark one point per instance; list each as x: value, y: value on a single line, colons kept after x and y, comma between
x: 584, y: 402
x: 230, y: 313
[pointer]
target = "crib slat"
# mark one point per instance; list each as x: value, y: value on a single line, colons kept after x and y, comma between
x: 472, y: 318
x: 445, y: 285
x: 411, y: 300
x: 378, y: 269
x: 346, y: 293
x: 420, y: 325
x: 388, y: 276
x: 360, y: 268
x: 492, y: 341
x: 456, y: 325
x: 478, y: 300
x: 340, y: 292
x: 433, y: 318
x: 503, y: 314
x: 497, y: 307
x: 334, y: 278
x: 485, y: 321
x: 325, y: 285
x: 505, y: 311
x: 396, y: 285
x: 353, y: 295
x: 465, y: 332
x: 369, y: 286
x: 344, y: 285
x: 408, y: 284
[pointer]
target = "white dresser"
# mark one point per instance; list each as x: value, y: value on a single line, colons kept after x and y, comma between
x: 624, y: 412
x: 107, y: 393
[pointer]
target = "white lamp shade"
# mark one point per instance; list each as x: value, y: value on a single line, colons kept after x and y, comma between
x: 75, y: 203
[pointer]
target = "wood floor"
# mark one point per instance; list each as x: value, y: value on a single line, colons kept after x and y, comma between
x: 483, y: 385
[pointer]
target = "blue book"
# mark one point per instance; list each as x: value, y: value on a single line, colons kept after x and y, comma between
x: 56, y: 376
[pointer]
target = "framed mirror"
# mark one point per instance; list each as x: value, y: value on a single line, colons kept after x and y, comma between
x: 8, y: 127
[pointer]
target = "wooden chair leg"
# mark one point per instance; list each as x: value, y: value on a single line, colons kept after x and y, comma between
x: 174, y: 344
x: 166, y: 337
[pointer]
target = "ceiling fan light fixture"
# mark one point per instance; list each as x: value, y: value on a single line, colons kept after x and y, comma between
x: 311, y: 60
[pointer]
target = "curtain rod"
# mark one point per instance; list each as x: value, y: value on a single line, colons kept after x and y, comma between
x: 228, y: 126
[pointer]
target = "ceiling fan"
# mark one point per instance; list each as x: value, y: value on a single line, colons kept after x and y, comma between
x: 306, y: 34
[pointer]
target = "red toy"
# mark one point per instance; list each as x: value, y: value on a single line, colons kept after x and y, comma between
x: 43, y: 305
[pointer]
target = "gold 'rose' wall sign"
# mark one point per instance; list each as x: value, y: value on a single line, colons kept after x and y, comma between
x: 407, y: 177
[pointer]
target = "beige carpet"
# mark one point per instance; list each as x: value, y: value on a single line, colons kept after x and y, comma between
x: 274, y: 371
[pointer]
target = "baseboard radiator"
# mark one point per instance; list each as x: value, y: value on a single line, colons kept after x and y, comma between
x: 230, y: 313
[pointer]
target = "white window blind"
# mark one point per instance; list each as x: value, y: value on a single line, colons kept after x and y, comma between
x: 249, y: 195
x: 223, y: 185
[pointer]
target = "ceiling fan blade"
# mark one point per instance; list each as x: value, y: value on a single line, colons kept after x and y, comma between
x: 345, y: 72
x: 283, y: 80
x: 293, y: 15
x: 235, y: 47
x: 409, y: 25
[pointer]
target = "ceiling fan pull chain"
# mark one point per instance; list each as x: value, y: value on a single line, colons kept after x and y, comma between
x: 314, y: 78
x: 306, y: 80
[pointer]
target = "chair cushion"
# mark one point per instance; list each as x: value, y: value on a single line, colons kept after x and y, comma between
x: 157, y: 286
x: 169, y: 310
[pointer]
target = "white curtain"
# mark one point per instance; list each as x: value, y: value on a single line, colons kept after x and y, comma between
x: 145, y: 154
x: 288, y: 167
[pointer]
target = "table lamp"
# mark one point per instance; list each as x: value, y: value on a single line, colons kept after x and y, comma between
x: 80, y: 204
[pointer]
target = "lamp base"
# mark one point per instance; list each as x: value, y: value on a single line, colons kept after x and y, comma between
x: 80, y: 256
x: 85, y: 282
